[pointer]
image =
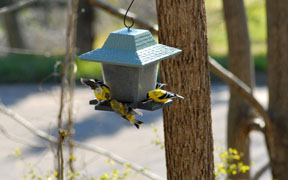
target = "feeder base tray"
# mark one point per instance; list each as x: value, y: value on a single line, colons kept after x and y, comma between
x: 150, y: 106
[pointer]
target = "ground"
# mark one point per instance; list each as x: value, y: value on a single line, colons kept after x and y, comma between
x: 104, y: 129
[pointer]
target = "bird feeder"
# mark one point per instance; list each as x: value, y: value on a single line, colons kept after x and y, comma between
x: 130, y: 59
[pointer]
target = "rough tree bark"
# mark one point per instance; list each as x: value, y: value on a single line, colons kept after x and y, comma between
x: 240, y: 64
x: 12, y: 28
x: 85, y: 31
x: 187, y: 123
x: 277, y: 131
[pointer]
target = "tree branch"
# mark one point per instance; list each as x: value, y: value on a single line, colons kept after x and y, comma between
x: 18, y: 139
x: 261, y: 171
x: 79, y: 145
x: 257, y: 125
x: 67, y: 84
x: 16, y: 6
x: 71, y: 78
x: 26, y: 124
x: 238, y: 85
x: 121, y: 13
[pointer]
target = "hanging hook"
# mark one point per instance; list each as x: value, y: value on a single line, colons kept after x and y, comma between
x: 126, y: 17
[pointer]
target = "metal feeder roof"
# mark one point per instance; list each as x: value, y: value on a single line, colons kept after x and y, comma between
x: 134, y: 48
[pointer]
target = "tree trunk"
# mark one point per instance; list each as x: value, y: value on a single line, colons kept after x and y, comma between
x: 277, y: 131
x: 240, y: 64
x: 187, y: 123
x: 85, y: 30
x: 12, y: 29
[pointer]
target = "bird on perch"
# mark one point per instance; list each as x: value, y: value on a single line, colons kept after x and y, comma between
x: 160, y: 95
x: 101, y: 90
x: 126, y: 113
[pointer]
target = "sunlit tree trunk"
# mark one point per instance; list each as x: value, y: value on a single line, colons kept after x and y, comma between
x: 277, y: 131
x: 12, y: 28
x: 187, y: 123
x: 85, y: 30
x: 241, y: 64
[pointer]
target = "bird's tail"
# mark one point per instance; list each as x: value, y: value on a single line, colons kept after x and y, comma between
x: 179, y: 96
x: 160, y: 85
x: 138, y: 123
x: 89, y: 82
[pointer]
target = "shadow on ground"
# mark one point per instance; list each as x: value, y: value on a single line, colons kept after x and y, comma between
x: 10, y: 94
x: 109, y: 123
x: 99, y: 125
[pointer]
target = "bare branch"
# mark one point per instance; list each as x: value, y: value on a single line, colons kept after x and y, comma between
x: 26, y: 124
x: 60, y: 158
x: 79, y: 145
x: 119, y: 160
x: 261, y: 171
x: 121, y: 13
x: 238, y: 85
x: 18, y: 139
x: 72, y: 15
x: 16, y: 6
x: 257, y: 125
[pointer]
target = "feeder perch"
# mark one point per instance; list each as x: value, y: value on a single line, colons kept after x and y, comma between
x: 130, y: 61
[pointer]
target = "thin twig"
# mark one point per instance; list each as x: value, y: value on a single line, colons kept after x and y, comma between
x: 240, y: 86
x: 121, y: 13
x: 73, y: 21
x: 20, y: 140
x: 118, y: 159
x: 26, y: 124
x: 64, y: 84
x: 261, y: 171
x: 62, y: 135
x: 16, y: 6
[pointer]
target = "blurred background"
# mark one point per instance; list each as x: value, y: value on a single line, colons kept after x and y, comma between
x: 32, y: 47
x: 41, y: 29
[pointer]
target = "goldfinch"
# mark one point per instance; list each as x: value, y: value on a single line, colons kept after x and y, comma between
x: 101, y: 90
x: 126, y: 113
x: 160, y: 95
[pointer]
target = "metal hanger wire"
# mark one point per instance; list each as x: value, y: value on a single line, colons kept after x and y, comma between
x: 128, y: 27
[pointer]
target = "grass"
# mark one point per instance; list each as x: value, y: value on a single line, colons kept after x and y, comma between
x: 260, y: 62
x: 25, y: 68
x: 28, y: 68
x: 256, y: 16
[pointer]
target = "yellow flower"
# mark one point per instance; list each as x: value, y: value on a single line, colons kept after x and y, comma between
x: 105, y: 176
x: 18, y: 152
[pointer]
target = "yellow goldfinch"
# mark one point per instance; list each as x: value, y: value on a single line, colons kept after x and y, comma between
x: 101, y: 90
x: 126, y: 113
x: 160, y: 95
